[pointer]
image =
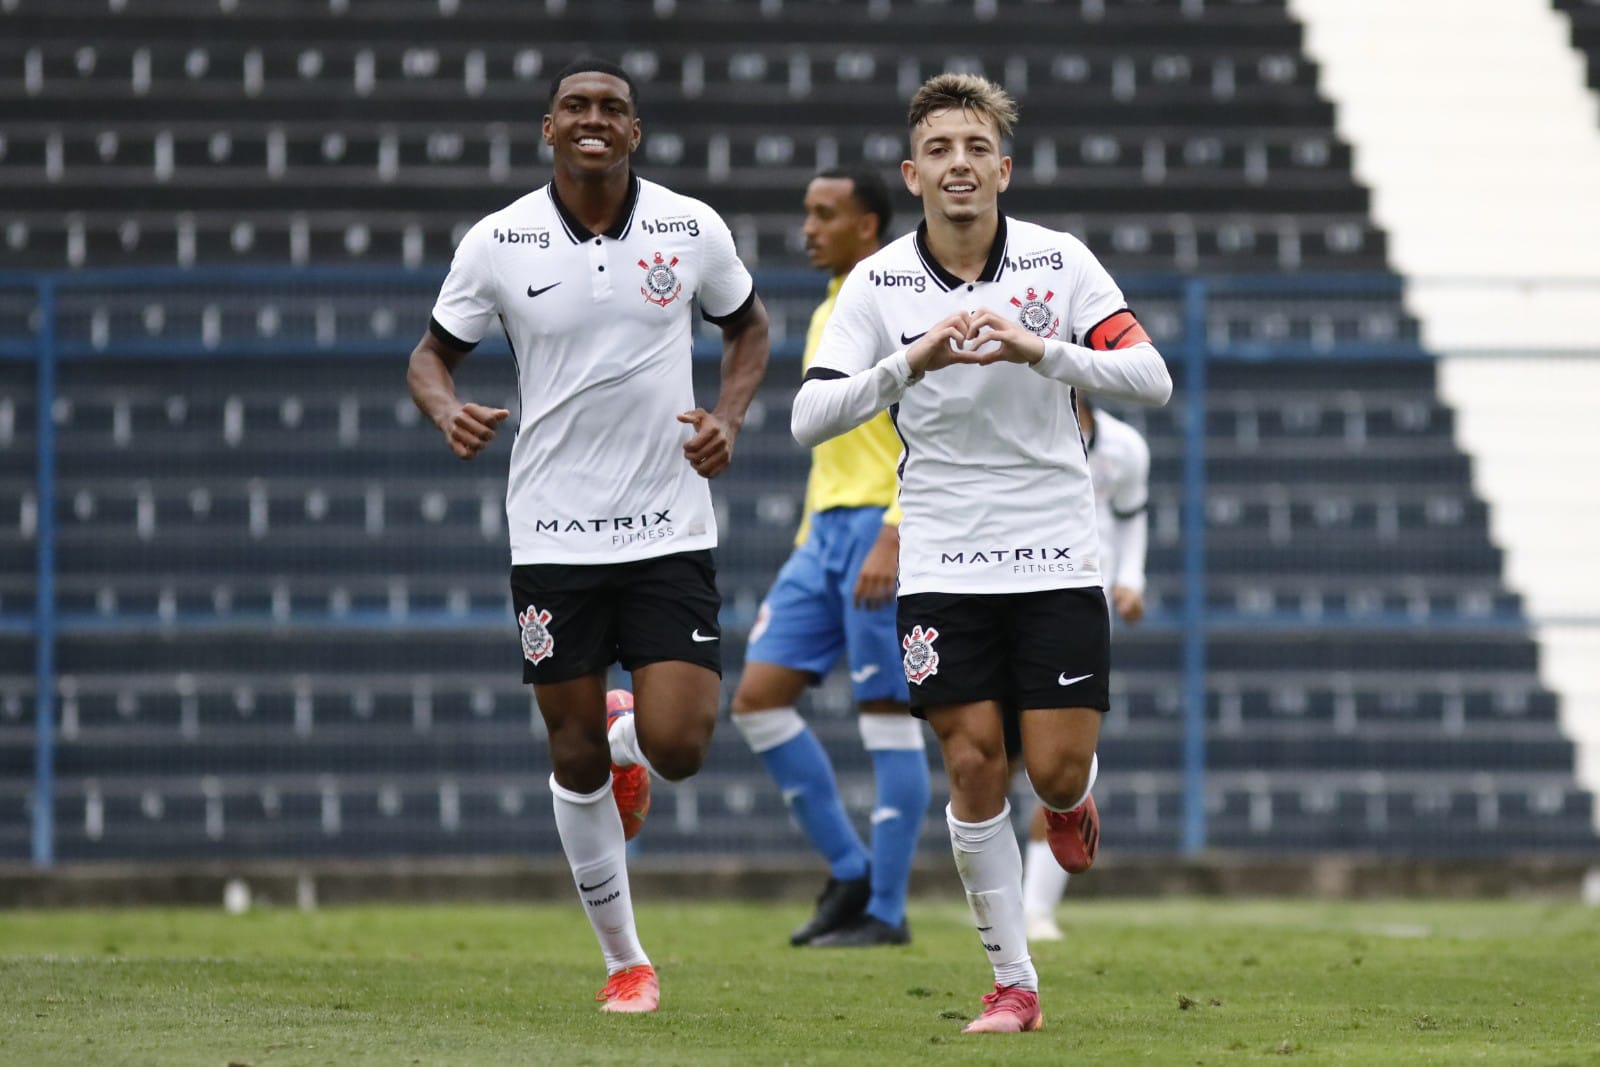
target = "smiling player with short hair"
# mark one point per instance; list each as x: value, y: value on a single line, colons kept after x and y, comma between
x: 975, y: 332
x: 591, y: 277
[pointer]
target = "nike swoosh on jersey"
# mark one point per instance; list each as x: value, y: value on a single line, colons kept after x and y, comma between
x: 864, y: 673
x: 539, y: 292
x: 698, y: 636
x: 905, y: 340
x: 1062, y: 678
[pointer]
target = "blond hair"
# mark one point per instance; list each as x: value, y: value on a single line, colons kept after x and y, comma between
x: 969, y: 92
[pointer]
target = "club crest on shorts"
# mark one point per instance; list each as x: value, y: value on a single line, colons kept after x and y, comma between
x: 920, y: 659
x: 1035, y: 314
x: 537, y: 641
x: 661, y: 285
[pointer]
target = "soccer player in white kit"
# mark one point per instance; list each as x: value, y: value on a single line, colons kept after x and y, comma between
x: 975, y: 331
x: 1119, y: 466
x: 610, y: 516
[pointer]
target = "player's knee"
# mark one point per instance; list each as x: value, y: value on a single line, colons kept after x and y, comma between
x: 973, y: 768
x: 679, y: 762
x: 1062, y: 784
x: 683, y: 754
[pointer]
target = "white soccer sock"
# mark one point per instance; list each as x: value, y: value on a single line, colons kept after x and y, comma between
x: 1094, y: 773
x: 624, y: 738
x: 1043, y: 881
x: 990, y: 866
x: 591, y: 836
x: 766, y: 730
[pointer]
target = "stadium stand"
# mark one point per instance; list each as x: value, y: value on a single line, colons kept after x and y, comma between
x: 287, y: 620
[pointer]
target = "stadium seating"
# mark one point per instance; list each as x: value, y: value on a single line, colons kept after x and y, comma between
x: 285, y: 615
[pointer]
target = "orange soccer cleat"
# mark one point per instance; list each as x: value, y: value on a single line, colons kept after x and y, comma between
x: 630, y: 785
x: 1074, y: 836
x: 632, y: 989
x: 1008, y: 1010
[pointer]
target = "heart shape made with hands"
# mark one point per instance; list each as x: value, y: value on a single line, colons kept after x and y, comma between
x: 973, y: 344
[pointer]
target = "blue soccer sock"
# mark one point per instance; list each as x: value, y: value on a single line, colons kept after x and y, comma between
x: 902, y: 779
x: 803, y: 772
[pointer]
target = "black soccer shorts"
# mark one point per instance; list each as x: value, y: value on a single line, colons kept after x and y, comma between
x: 575, y: 620
x: 1046, y: 649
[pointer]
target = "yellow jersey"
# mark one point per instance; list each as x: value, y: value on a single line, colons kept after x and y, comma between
x: 857, y: 469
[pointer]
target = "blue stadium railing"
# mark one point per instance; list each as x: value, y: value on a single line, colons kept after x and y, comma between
x: 41, y: 320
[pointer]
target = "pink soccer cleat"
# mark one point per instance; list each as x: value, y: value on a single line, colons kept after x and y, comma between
x: 632, y: 989
x: 1074, y: 836
x: 1008, y: 1010
x: 630, y: 786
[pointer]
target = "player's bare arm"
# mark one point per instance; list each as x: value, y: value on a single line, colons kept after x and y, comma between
x: 467, y: 427
x: 745, y: 349
x: 875, y: 584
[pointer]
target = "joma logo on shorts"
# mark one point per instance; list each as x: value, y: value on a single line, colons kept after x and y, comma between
x: 620, y: 522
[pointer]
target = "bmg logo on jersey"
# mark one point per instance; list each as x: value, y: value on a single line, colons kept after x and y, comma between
x: 914, y: 280
x: 677, y: 224
x: 537, y: 238
x: 1047, y: 257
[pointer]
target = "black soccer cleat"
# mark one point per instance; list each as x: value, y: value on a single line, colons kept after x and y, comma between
x: 842, y: 902
x: 866, y: 932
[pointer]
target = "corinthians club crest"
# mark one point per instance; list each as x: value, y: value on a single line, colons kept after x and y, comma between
x: 1035, y: 314
x: 920, y: 660
x: 661, y: 285
x: 537, y: 641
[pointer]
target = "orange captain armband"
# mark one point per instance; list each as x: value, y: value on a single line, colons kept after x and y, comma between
x: 1119, y: 330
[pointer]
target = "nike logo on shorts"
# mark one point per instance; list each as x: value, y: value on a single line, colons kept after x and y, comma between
x: 698, y: 636
x: 864, y: 673
x: 540, y: 292
x: 592, y: 888
x: 1062, y: 679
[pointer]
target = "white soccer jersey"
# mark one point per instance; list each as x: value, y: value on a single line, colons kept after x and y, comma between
x: 994, y: 481
x: 600, y: 325
x: 1119, y: 465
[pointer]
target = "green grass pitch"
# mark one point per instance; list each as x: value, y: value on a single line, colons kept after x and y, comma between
x: 1189, y: 982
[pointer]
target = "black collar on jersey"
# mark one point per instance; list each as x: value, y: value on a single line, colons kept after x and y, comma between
x: 580, y: 233
x: 991, y: 269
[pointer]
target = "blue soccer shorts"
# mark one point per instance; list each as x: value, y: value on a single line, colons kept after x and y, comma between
x: 809, y: 618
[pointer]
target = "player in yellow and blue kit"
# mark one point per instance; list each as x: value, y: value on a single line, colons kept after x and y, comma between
x: 836, y: 597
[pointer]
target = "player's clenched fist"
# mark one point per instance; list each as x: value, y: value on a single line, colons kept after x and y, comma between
x: 710, y: 450
x: 470, y: 427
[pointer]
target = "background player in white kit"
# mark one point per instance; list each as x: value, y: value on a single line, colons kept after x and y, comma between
x: 591, y: 277
x: 1119, y: 465
x: 958, y: 330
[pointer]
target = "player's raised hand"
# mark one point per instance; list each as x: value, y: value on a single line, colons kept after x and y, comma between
x: 470, y: 427
x: 710, y: 450
x: 941, y: 345
x: 997, y: 338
